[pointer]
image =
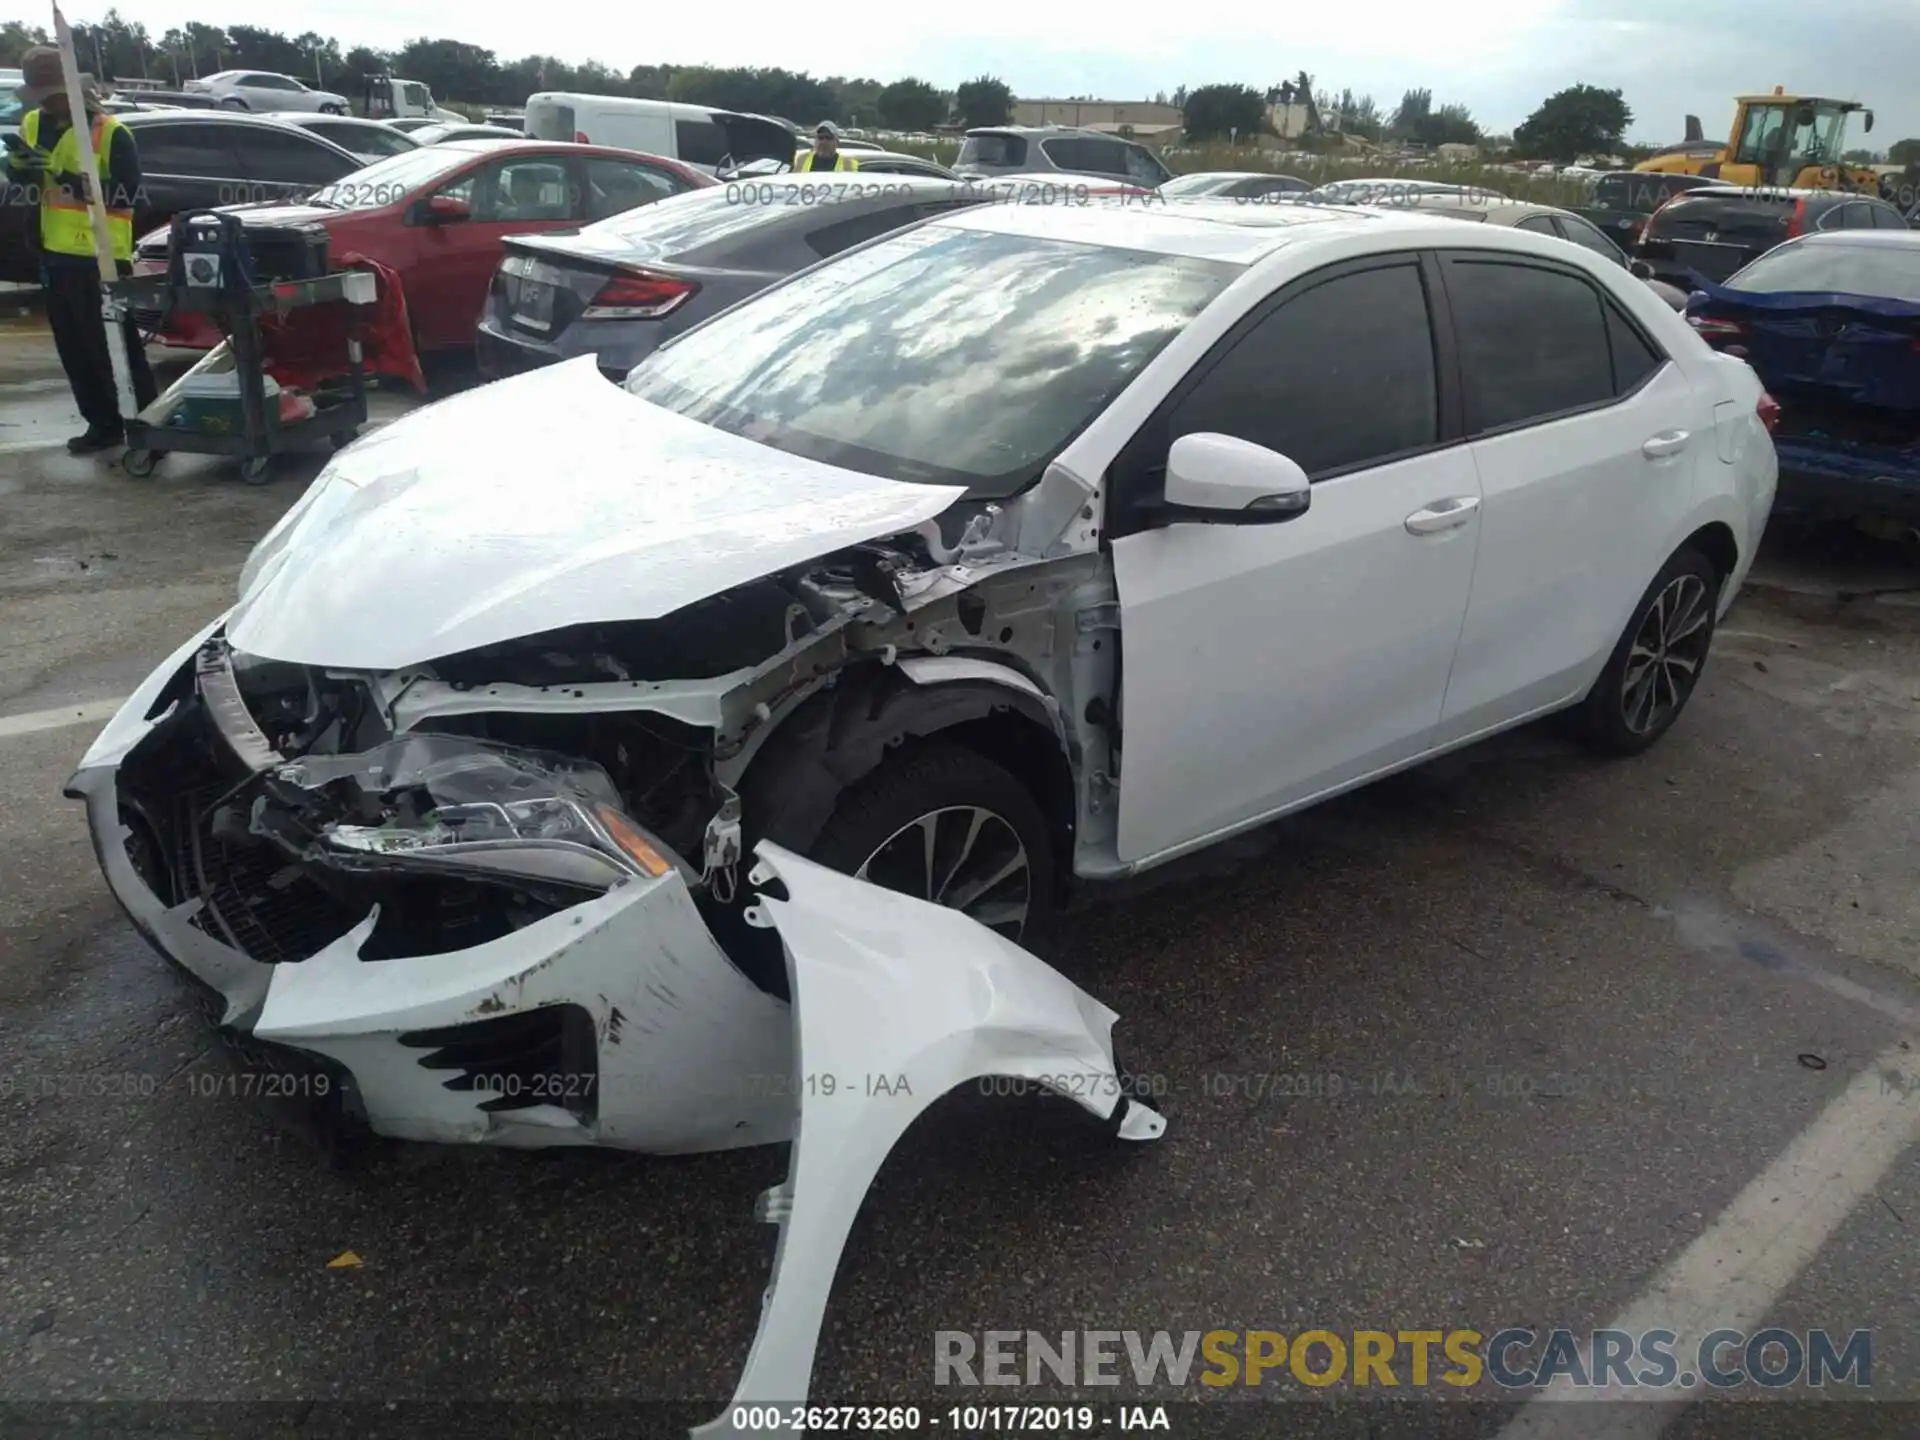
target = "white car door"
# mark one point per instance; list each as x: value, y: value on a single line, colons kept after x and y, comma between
x: 1585, y: 436
x: 1262, y: 665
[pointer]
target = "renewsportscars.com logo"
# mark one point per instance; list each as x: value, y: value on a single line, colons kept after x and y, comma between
x: 1512, y: 1359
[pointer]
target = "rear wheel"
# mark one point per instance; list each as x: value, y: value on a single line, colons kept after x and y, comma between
x: 946, y: 824
x: 1657, y: 662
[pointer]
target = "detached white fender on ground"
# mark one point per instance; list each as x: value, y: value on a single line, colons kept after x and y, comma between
x: 896, y: 1002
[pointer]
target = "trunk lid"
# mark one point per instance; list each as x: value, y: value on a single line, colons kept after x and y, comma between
x: 1824, y: 349
x: 540, y: 289
x: 1713, y: 236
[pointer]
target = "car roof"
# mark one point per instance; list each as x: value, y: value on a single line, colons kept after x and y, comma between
x: 1234, y: 175
x: 1771, y: 192
x: 1048, y: 130
x: 1498, y: 209
x: 1884, y: 239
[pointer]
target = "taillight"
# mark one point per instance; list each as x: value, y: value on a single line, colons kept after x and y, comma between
x: 1768, y: 409
x: 1797, y: 222
x: 1714, y: 331
x: 639, y: 296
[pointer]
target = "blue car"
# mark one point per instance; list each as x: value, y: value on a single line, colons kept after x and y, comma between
x: 1831, y: 324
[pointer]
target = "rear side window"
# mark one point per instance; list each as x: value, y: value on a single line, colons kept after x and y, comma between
x: 699, y: 142
x: 1337, y: 376
x: 1533, y: 342
x: 1885, y: 217
x: 289, y: 157
x: 200, y: 151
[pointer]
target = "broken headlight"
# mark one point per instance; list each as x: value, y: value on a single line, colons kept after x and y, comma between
x: 450, y: 804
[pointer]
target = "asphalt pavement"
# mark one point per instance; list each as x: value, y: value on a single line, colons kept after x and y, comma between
x: 1518, y: 1039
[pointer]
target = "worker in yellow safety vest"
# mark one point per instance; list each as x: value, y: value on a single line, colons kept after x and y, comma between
x: 825, y: 154
x: 44, y: 169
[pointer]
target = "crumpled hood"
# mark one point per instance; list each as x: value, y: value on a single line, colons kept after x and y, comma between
x: 547, y: 500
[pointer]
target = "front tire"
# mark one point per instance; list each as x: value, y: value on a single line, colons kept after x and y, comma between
x: 1655, y: 667
x: 944, y: 823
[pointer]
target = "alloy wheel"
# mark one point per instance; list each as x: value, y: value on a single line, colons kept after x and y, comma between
x: 1666, y: 655
x: 965, y: 857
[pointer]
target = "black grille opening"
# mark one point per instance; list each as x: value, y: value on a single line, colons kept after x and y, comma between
x: 548, y: 1056
x: 251, y: 898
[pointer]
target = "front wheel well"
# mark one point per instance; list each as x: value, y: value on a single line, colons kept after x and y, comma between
x: 844, y: 733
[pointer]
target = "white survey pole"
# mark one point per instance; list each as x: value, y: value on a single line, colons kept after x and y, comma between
x: 96, y: 209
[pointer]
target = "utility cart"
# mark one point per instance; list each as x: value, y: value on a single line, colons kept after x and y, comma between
x: 227, y: 404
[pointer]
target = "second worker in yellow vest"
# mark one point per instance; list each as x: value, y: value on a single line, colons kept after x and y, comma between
x: 825, y: 154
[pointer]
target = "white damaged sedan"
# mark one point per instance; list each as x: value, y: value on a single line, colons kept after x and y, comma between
x: 547, y: 782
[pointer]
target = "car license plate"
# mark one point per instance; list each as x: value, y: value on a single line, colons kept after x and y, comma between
x: 534, y: 308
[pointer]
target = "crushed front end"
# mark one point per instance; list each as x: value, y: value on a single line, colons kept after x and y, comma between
x: 474, y: 940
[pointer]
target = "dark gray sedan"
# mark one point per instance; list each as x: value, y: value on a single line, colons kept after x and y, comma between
x: 619, y: 288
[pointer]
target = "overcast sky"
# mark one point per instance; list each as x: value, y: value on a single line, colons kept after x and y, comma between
x: 1500, y: 58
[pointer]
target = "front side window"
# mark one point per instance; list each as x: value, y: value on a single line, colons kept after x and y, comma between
x: 940, y: 355
x: 1762, y: 137
x: 290, y: 157
x: 521, y: 190
x: 1533, y: 342
x: 1338, y: 376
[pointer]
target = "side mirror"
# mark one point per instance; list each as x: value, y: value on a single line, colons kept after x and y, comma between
x: 1641, y: 269
x: 1869, y: 125
x: 1223, y: 480
x: 445, y: 209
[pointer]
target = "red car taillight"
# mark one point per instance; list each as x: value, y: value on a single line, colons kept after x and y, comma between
x: 1797, y: 222
x: 1768, y: 409
x: 639, y: 295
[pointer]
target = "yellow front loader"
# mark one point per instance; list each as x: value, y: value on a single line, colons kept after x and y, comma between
x: 1778, y: 140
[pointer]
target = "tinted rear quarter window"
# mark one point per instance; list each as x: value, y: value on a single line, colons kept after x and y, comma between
x: 1533, y: 342
x: 1339, y: 375
x: 1634, y: 358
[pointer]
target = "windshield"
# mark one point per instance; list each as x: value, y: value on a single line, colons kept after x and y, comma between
x: 386, y: 181
x: 1889, y: 271
x: 1197, y: 184
x: 938, y: 355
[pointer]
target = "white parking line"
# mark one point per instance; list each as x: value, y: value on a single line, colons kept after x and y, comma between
x: 57, y: 719
x: 1733, y: 1274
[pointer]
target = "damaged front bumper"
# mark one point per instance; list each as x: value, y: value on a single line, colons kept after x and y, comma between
x: 617, y: 1020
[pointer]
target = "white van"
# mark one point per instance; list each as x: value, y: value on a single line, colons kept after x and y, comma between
x: 696, y: 135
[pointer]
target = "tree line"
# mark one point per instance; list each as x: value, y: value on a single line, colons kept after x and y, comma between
x: 117, y: 48
x: 1579, y: 120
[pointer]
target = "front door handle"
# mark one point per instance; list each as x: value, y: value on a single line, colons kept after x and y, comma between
x: 1441, y: 515
x: 1667, y: 442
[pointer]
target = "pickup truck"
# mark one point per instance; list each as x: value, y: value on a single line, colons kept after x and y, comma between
x: 1830, y: 323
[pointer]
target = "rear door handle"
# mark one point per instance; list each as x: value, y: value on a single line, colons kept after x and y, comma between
x: 1667, y: 442
x: 1441, y: 515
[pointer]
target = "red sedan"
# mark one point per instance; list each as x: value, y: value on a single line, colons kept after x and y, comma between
x: 436, y: 217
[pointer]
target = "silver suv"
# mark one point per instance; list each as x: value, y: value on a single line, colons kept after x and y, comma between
x: 1028, y: 150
